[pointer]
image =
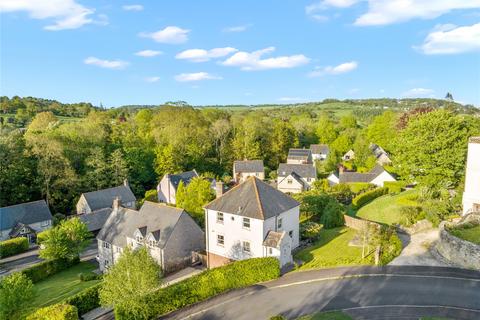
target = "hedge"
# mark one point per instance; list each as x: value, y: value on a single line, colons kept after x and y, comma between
x: 85, y: 300
x: 13, y: 246
x: 199, y: 288
x: 368, y: 196
x: 394, y: 186
x: 47, y: 268
x: 55, y: 312
x: 358, y: 187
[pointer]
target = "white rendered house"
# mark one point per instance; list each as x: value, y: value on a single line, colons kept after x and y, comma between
x: 251, y: 220
x: 471, y: 195
x: 295, y: 178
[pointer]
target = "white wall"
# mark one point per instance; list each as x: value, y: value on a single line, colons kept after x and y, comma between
x: 295, y: 186
x: 82, y: 206
x: 166, y: 191
x: 471, y: 195
x: 290, y: 222
x: 242, y: 176
x: 383, y: 177
x: 333, y: 179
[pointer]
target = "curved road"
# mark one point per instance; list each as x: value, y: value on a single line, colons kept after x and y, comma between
x: 392, y: 292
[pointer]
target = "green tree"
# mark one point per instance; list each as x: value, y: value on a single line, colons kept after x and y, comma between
x: 133, y: 275
x: 326, y: 132
x: 342, y: 143
x: 348, y: 122
x: 197, y: 194
x: 283, y: 138
x: 382, y: 130
x: 118, y: 167
x: 16, y: 291
x: 98, y: 171
x: 42, y: 121
x: 65, y: 241
x: 166, y: 161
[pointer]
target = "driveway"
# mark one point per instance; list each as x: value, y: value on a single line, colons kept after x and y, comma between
x: 363, y: 292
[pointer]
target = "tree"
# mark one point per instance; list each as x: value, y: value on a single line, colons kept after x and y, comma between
x: 343, y: 143
x: 118, y: 167
x: 283, y: 138
x: 16, y: 291
x: 165, y: 161
x: 382, y: 130
x: 363, y: 154
x: 133, y: 275
x: 98, y: 174
x: 348, y: 122
x: 196, y: 194
x: 42, y: 121
x: 65, y: 241
x: 326, y: 132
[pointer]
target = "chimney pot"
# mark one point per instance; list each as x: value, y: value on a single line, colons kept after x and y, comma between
x: 125, y: 182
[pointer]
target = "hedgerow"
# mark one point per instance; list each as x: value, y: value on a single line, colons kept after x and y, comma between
x: 368, y: 196
x: 13, y: 246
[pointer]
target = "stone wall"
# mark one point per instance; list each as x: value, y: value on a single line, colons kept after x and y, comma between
x: 356, y: 223
x: 458, y: 251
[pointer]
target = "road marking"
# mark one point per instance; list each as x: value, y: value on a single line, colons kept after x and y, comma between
x: 408, y: 306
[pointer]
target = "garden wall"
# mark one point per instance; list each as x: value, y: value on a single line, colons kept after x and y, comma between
x: 461, y: 252
x: 356, y: 223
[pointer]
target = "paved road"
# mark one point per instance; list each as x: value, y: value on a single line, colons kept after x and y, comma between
x: 393, y: 292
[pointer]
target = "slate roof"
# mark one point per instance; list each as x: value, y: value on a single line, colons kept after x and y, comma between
x: 16, y: 229
x: 26, y: 213
x: 152, y: 216
x: 474, y: 140
x: 186, y: 177
x: 248, y: 166
x: 102, y: 199
x: 96, y: 219
x: 347, y: 177
x: 253, y: 199
x: 273, y: 239
x: 299, y: 154
x: 319, y: 149
x: 303, y: 170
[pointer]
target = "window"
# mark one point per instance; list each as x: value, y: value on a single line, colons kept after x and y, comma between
x: 151, y: 243
x: 246, y: 246
x: 290, y: 233
x: 246, y: 223
x: 270, y: 250
x: 279, y: 223
x: 309, y: 179
x: 289, y: 181
x: 219, y: 217
x: 118, y: 249
x: 139, y: 239
x: 107, y: 264
x: 220, y: 240
x: 106, y: 245
x: 257, y: 174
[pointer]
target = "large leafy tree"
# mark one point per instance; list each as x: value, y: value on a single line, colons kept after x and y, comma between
x: 283, y: 138
x: 98, y: 173
x: 194, y: 196
x: 134, y: 274
x: 326, y: 131
x: 383, y: 130
x: 118, y: 167
x: 16, y: 290
x: 432, y: 148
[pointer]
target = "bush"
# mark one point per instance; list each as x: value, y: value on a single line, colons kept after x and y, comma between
x: 410, y: 215
x: 368, y: 196
x: 394, y: 186
x: 55, y: 312
x: 342, y: 193
x: 13, y: 246
x: 85, y: 300
x: 359, y: 187
x: 16, y: 291
x: 310, y: 230
x: 41, y: 236
x: 89, y: 276
x: 332, y: 215
x: 47, y: 268
x: 390, y: 245
x: 200, y: 287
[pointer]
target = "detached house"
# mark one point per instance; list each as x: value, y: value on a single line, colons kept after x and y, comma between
x: 167, y: 188
x: 295, y: 178
x: 300, y: 156
x: 251, y: 220
x: 169, y: 233
x: 248, y: 168
x: 24, y: 220
x: 319, y: 151
x: 380, y: 154
x: 377, y: 176
x: 471, y: 195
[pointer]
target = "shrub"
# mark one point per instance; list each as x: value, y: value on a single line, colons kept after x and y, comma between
x: 394, y: 186
x: 47, y: 268
x: 390, y: 245
x: 85, y: 300
x: 42, y: 236
x: 16, y: 290
x: 410, y: 215
x: 55, y: 312
x: 368, y: 196
x: 342, y: 193
x: 359, y: 187
x: 310, y: 230
x: 88, y: 276
x: 200, y: 287
x: 332, y: 215
x: 13, y: 246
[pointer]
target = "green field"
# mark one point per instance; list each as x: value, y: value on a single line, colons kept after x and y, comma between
x: 387, y: 209
x: 469, y: 234
x: 60, y: 286
x: 332, y: 250
x: 332, y: 315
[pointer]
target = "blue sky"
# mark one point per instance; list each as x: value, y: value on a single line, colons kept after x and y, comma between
x: 243, y: 52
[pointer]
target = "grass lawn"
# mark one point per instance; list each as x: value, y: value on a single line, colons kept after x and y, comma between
x: 386, y: 209
x: 60, y: 286
x: 470, y: 234
x: 332, y: 315
x: 332, y: 250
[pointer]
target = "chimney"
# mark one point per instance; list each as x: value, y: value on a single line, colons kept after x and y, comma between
x: 116, y: 204
x: 341, y: 169
x: 219, y: 188
x: 125, y: 182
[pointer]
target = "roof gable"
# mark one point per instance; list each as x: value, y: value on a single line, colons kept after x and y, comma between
x: 102, y: 199
x: 26, y: 213
x: 185, y: 177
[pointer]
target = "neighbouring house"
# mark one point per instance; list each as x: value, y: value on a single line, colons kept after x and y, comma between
x: 299, y: 156
x: 24, y: 220
x: 251, y: 220
x: 97, y: 200
x: 319, y: 151
x: 377, y: 176
x: 248, y: 168
x: 167, y: 188
x: 169, y: 233
x: 96, y: 219
x: 471, y: 195
x: 349, y: 155
x: 380, y: 154
x: 295, y: 178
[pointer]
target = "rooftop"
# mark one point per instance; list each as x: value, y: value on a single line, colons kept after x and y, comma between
x: 26, y: 213
x: 302, y: 170
x: 102, y: 199
x: 248, y: 166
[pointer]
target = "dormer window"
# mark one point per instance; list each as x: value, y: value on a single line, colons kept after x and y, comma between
x: 152, y: 243
x: 139, y: 239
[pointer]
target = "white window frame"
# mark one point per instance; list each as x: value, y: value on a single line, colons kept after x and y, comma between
x: 246, y: 247
x: 289, y: 181
x: 220, y: 240
x: 220, y: 217
x: 106, y: 245
x: 139, y: 239
x: 246, y: 221
x: 279, y: 223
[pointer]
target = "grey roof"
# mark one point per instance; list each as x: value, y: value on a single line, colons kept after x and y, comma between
x: 377, y: 150
x: 102, y: 199
x: 300, y: 154
x: 248, y: 166
x: 186, y: 177
x: 303, y: 170
x: 151, y: 217
x: 253, y: 199
x: 16, y: 229
x: 347, y: 177
x: 273, y: 239
x: 26, y: 213
x: 319, y: 148
x: 96, y: 219
x: 474, y: 140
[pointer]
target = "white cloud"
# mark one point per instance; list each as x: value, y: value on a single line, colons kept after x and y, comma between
x: 197, y: 76
x: 241, y: 28
x: 132, y: 7
x: 290, y: 99
x: 341, y: 68
x: 148, y: 53
x: 320, y: 17
x: 109, y: 64
x: 171, y: 34
x: 66, y: 14
x: 418, y: 92
x: 201, y: 55
x: 253, y: 60
x: 152, y: 79
x: 450, y: 39
x: 382, y: 12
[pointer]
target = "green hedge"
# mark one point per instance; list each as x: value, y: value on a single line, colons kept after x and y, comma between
x: 368, y: 196
x: 199, y: 288
x: 358, y: 187
x: 394, y: 186
x: 85, y: 300
x: 13, y: 246
x: 47, y: 268
x: 55, y: 312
